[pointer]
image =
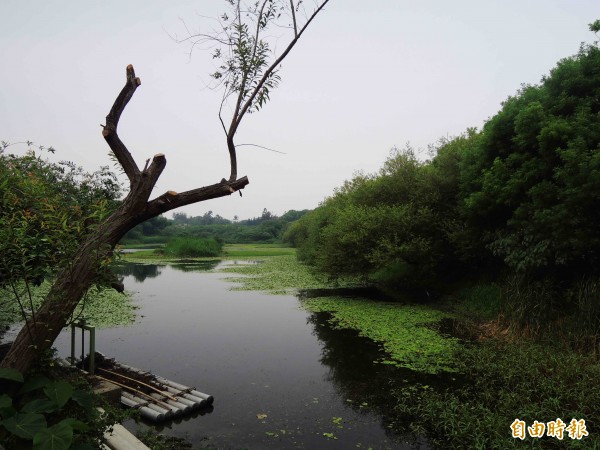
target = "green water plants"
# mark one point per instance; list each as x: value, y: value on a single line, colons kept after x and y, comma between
x: 406, y: 332
x: 276, y: 275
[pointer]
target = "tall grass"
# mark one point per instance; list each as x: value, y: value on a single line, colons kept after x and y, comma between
x: 192, y: 248
x: 503, y: 382
x: 545, y: 311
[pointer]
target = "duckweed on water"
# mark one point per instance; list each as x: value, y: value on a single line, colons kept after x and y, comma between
x: 407, y: 332
x: 102, y: 309
x: 276, y: 275
x: 107, y: 308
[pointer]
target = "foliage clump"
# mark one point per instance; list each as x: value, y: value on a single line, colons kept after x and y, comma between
x: 53, y: 408
x: 517, y: 202
x: 46, y: 209
x: 192, y: 248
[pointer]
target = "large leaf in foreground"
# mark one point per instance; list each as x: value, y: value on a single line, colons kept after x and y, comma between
x: 59, y: 392
x: 57, y: 437
x: 34, y: 383
x: 25, y: 425
x: 11, y: 374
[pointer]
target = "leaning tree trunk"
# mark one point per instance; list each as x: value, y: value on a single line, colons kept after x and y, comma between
x: 74, y: 280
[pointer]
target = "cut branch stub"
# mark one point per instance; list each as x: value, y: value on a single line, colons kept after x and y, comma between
x: 156, y: 167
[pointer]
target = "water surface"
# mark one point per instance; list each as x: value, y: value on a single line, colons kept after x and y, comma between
x: 281, y: 377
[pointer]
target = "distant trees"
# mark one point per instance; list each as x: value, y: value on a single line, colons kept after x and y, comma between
x: 265, y: 228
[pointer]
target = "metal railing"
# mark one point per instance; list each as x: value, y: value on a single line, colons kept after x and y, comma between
x: 92, y: 344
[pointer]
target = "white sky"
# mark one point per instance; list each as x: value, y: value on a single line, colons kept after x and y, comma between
x: 366, y: 76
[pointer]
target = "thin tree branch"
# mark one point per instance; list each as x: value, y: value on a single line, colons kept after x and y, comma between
x: 240, y: 111
x: 294, y: 18
x: 272, y: 67
x: 260, y: 146
x: 112, y: 121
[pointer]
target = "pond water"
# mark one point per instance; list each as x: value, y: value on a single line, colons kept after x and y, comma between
x: 281, y: 377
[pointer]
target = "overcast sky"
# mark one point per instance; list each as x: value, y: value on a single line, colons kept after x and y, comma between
x: 367, y: 76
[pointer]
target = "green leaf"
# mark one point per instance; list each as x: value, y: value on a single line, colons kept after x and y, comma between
x: 25, y: 425
x: 84, y: 399
x: 11, y: 374
x: 40, y: 405
x: 59, y: 391
x: 5, y: 401
x: 34, y: 383
x: 57, y: 437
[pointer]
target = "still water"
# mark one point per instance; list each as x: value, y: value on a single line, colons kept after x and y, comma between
x: 281, y: 377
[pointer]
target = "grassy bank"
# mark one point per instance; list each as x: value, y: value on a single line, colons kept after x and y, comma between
x: 239, y: 251
x: 257, y: 250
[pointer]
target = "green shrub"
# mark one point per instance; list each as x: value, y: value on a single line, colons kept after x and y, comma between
x: 192, y: 248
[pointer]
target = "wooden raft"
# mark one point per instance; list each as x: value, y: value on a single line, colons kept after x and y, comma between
x: 157, y: 398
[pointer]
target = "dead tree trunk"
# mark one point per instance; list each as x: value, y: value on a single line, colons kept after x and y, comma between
x: 75, y: 279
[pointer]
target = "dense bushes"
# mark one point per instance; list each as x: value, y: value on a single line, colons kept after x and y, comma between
x: 522, y: 195
x: 517, y: 202
x: 535, y: 177
x: 45, y: 210
x: 192, y: 248
x: 402, y: 222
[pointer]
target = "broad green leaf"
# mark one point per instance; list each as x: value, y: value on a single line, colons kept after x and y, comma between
x: 11, y: 374
x: 34, y: 383
x: 5, y: 401
x: 40, y: 405
x: 25, y: 425
x: 57, y: 437
x: 84, y: 399
x: 59, y: 391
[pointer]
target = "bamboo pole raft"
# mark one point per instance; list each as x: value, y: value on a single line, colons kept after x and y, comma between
x: 157, y: 398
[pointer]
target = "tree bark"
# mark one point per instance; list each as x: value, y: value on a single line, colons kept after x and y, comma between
x: 74, y: 280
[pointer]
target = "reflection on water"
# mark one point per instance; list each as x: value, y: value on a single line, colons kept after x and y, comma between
x: 363, y: 382
x: 195, y: 266
x: 281, y: 377
x: 139, y: 272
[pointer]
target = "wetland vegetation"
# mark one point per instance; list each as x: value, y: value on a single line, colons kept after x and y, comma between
x: 465, y: 288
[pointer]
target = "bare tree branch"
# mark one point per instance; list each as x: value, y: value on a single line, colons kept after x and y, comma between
x: 172, y: 200
x: 112, y: 121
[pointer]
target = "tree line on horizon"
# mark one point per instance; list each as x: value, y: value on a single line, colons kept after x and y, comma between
x: 266, y: 228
